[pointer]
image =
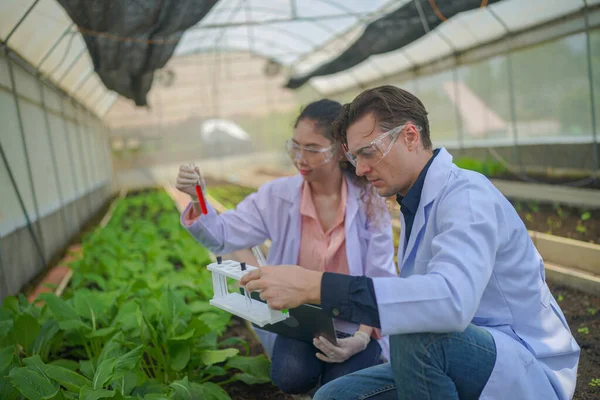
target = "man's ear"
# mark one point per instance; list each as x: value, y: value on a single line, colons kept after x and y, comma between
x: 412, y: 137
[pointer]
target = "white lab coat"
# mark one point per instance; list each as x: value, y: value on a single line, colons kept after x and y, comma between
x: 469, y: 259
x: 273, y: 212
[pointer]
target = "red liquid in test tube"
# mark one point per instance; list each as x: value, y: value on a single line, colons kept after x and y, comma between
x: 201, y: 200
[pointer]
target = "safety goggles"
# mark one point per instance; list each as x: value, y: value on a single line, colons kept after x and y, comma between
x: 374, y: 152
x: 314, y: 156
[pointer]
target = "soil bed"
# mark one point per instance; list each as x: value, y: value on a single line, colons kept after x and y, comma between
x: 582, y: 312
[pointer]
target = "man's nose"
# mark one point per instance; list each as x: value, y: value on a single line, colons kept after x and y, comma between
x: 362, y: 169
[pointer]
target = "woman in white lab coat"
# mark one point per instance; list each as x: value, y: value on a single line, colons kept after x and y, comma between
x: 325, y: 218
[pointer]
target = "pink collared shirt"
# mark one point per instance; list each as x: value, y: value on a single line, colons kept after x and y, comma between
x: 320, y: 250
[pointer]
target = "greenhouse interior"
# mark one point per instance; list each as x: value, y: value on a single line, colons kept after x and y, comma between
x: 104, y: 106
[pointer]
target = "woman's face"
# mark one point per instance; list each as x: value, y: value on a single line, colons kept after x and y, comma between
x: 313, y: 163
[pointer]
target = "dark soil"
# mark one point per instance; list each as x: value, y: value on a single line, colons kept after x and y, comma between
x: 584, y: 182
x: 561, y: 220
x: 571, y: 222
x: 582, y: 312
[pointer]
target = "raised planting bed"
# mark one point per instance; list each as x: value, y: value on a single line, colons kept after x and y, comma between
x: 582, y: 312
x: 134, y: 323
x: 229, y: 195
x: 561, y: 220
x: 496, y: 170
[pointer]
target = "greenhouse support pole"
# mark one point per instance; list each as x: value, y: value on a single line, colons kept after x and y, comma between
x: 39, y: 243
x: 71, y: 161
x: 5, y: 288
x: 593, y: 110
x: 82, y: 159
x: 61, y: 200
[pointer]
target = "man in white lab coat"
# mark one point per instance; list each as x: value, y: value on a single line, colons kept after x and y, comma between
x: 471, y: 315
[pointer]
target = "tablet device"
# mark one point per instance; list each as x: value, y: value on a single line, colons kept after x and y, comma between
x: 305, y: 323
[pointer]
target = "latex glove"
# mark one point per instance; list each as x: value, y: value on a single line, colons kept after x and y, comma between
x: 346, y: 349
x: 188, y: 177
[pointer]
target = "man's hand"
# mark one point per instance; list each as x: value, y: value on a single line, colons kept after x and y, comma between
x: 284, y: 286
x: 346, y: 349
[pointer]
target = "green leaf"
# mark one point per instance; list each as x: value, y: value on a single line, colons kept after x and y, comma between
x: 8, y: 391
x: 68, y: 364
x: 232, y: 341
x: 67, y: 378
x: 48, y: 333
x: 87, y: 368
x: 215, y: 370
x: 249, y: 379
x: 88, y: 393
x: 25, y: 330
x: 75, y: 325
x: 172, y: 306
x: 61, y: 310
x: 104, y: 373
x: 184, y: 336
x: 128, y: 361
x: 31, y: 384
x: 128, y: 381
x: 6, y: 358
x: 209, y: 391
x: 36, y: 364
x: 209, y: 357
x: 183, y: 389
x: 197, y: 307
x: 200, y: 328
x: 11, y: 303
x: 180, y: 355
x: 101, y: 332
x: 586, y: 215
x: 258, y: 368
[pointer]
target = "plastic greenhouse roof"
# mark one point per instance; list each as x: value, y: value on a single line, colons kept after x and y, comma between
x: 46, y: 38
x: 299, y: 34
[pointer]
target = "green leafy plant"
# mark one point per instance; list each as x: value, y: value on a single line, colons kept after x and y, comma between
x: 595, y: 382
x: 592, y: 311
x: 134, y: 323
x: 229, y: 195
x: 584, y: 330
x: 560, y: 298
x: 585, y: 216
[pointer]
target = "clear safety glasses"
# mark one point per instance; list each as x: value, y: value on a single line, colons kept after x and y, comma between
x: 375, y: 151
x: 314, y: 156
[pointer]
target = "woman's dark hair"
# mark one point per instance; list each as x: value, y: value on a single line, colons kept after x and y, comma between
x: 324, y: 113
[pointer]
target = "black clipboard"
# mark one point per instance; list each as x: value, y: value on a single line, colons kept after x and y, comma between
x: 305, y: 323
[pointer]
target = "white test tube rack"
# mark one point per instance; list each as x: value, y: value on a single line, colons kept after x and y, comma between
x: 235, y: 303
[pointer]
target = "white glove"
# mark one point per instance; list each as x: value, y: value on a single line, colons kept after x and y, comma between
x: 188, y: 177
x: 346, y: 349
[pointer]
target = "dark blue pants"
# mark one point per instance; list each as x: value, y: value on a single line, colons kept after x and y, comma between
x: 295, y: 369
x: 424, y: 366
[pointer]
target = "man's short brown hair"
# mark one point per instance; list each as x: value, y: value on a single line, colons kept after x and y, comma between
x: 391, y: 107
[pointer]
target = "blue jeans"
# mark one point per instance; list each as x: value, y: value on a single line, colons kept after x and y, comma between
x: 423, y: 366
x: 295, y: 369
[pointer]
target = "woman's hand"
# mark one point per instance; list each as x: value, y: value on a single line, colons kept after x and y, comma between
x: 347, y: 347
x: 188, y: 177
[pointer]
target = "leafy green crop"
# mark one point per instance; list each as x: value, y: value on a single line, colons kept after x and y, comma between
x: 488, y: 168
x: 134, y: 324
x: 229, y: 195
